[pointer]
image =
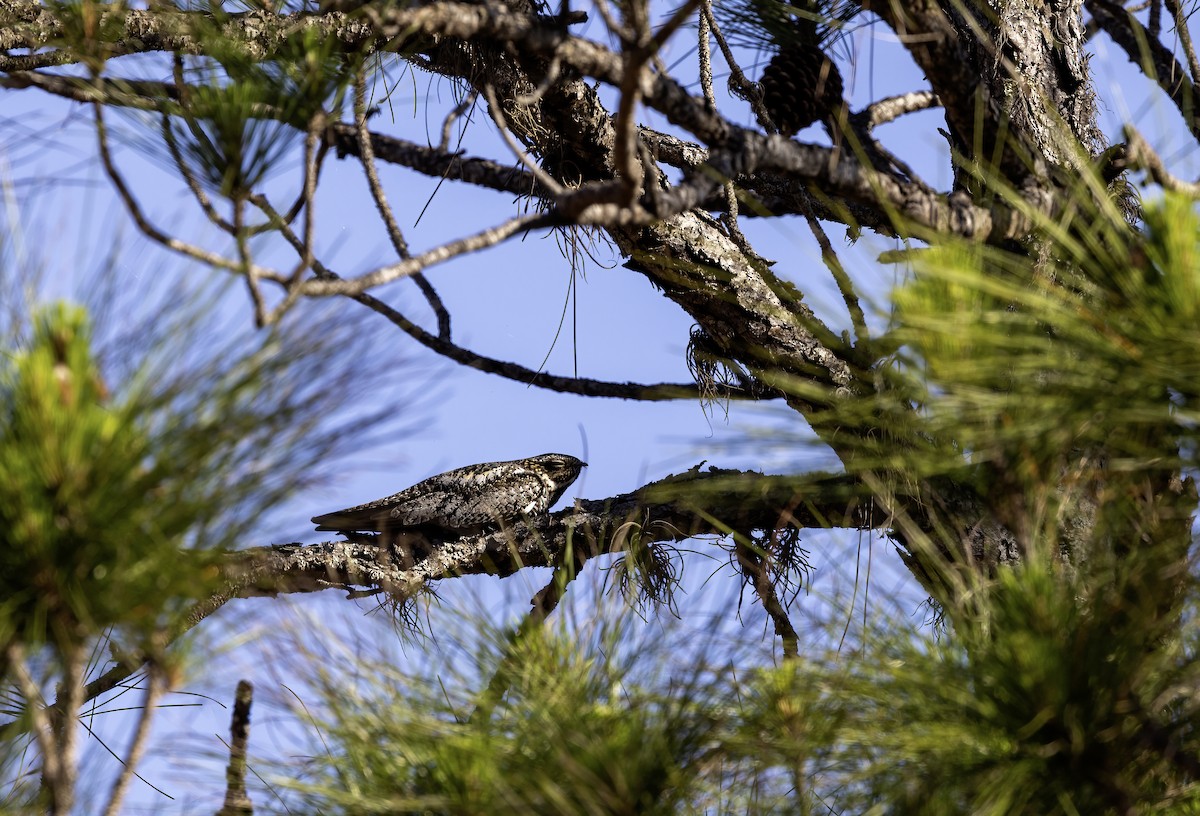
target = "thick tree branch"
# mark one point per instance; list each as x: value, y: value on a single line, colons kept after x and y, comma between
x: 929, y: 34
x: 767, y: 193
x: 694, y: 503
x: 33, y: 25
x: 714, y: 502
x: 736, y: 151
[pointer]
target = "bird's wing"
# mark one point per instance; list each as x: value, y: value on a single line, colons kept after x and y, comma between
x: 503, y: 497
x: 467, y: 497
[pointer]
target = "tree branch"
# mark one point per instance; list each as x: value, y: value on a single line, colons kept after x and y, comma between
x: 488, y: 237
x: 892, y: 108
x: 1140, y: 156
x: 735, y: 151
x: 150, y: 230
x: 54, y: 776
x: 675, y: 508
x: 1155, y: 59
x: 584, y: 386
x: 343, y: 137
x: 155, y: 685
x: 755, y: 566
x: 237, y: 802
x: 567, y: 385
x: 541, y: 606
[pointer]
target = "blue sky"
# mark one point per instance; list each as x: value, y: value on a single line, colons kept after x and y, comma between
x: 506, y: 302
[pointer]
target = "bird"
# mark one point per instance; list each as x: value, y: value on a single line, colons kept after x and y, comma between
x: 465, y: 499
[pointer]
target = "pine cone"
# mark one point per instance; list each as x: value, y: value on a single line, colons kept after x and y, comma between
x: 800, y: 86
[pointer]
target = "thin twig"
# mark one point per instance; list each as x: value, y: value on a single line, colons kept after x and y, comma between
x: 704, y: 54
x: 462, y: 134
x: 635, y: 14
x: 435, y: 302
x: 753, y: 563
x: 155, y: 686
x: 177, y: 156
x: 636, y: 53
x: 508, y: 370
x: 844, y: 284
x: 453, y: 116
x: 73, y: 669
x: 367, y: 160
x: 730, y: 217
x: 182, y: 90
x: 739, y: 85
x: 1140, y: 155
x: 190, y: 179
x: 472, y: 243
x: 316, y: 127
x: 629, y: 171
x: 1185, y: 38
x: 261, y: 318
x: 614, y: 28
x: 144, y: 225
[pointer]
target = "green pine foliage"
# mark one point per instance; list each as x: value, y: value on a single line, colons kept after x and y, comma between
x: 577, y: 732
x: 1065, y: 376
x: 1045, y: 705
x: 243, y: 114
x: 133, y: 459
x: 93, y: 509
x: 126, y: 472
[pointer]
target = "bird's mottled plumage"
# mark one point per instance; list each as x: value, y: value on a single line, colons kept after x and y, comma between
x: 465, y: 498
